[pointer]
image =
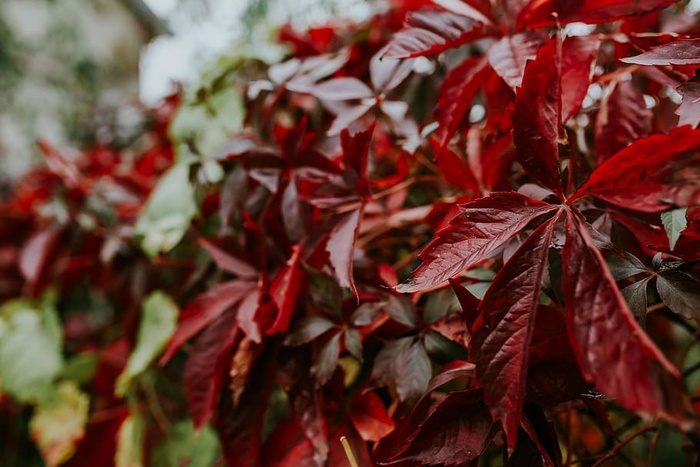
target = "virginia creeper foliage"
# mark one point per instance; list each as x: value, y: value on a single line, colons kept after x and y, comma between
x: 463, y: 232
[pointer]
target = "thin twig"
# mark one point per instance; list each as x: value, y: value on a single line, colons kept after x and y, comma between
x: 652, y: 447
x: 613, y: 452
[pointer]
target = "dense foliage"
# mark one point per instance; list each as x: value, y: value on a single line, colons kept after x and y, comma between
x: 240, y: 284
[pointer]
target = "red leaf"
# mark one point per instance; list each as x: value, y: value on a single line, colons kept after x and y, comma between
x: 539, y: 13
x: 227, y: 262
x: 500, y: 347
x: 456, y: 94
x: 34, y: 258
x: 689, y: 109
x: 240, y: 427
x: 457, y: 431
x: 355, y: 156
x: 483, y: 227
x: 578, y: 56
x: 683, y: 52
x: 341, y: 247
x: 306, y: 402
x: 623, y: 118
x: 612, y: 350
x: 650, y: 174
x: 454, y: 169
x: 470, y: 304
x: 206, y: 366
x: 537, y: 116
x: 429, y: 32
x: 285, y: 289
x: 62, y: 166
x: 509, y: 55
x: 370, y: 418
x: 247, y: 316
x: 204, y: 309
x: 288, y: 447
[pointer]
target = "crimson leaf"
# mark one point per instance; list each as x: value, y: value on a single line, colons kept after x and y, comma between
x: 500, y: 347
x: 509, y: 55
x: 203, y: 310
x: 285, y: 290
x: 650, y: 174
x: 537, y: 116
x: 540, y: 13
x: 481, y: 229
x: 456, y: 432
x: 370, y: 418
x: 612, y: 350
x: 623, y: 118
x: 578, y: 55
x: 456, y: 94
x: 206, y: 365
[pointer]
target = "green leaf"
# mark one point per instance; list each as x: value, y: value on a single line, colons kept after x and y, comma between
x: 674, y: 222
x: 130, y: 443
x: 185, y: 446
x: 158, y: 322
x: 80, y: 368
x: 209, y: 123
x: 168, y: 212
x: 30, y: 349
x: 58, y: 424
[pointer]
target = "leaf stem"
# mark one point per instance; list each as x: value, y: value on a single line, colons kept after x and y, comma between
x: 348, y: 451
x: 613, y: 452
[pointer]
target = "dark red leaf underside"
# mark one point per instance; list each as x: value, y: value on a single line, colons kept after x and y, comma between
x: 539, y: 12
x: 537, y: 116
x: 240, y: 427
x: 227, y: 262
x: 623, y: 117
x: 341, y: 247
x: 683, y: 52
x: 456, y: 94
x: 651, y: 174
x: 577, y: 60
x: 509, y: 55
x: 457, y: 431
x: 612, y: 350
x: 429, y: 32
x: 206, y: 366
x: 500, y: 347
x: 482, y: 228
x: 203, y: 310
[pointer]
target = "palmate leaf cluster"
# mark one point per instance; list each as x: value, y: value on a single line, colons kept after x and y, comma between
x: 459, y: 233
